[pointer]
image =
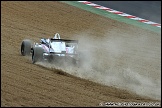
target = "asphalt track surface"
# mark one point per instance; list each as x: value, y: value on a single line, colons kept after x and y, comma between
x: 118, y: 58
x: 149, y: 10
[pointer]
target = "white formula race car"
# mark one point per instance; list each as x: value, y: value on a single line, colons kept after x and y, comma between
x: 52, y: 50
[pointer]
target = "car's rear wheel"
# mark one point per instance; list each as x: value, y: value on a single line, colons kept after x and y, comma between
x: 25, y: 47
x: 37, y: 55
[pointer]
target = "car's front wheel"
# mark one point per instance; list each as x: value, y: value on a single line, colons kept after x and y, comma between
x: 37, y: 55
x: 25, y: 47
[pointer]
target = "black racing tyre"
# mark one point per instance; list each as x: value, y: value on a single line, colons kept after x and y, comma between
x: 37, y: 55
x: 25, y: 47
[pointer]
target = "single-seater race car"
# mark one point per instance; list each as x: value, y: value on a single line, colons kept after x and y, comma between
x: 51, y: 49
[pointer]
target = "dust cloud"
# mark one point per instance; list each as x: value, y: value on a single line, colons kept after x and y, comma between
x: 117, y: 61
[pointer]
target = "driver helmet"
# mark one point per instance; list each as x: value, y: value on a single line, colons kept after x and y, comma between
x: 43, y: 41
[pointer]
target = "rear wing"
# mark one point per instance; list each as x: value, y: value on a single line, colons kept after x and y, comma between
x: 64, y: 46
x: 57, y: 38
x: 64, y: 40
